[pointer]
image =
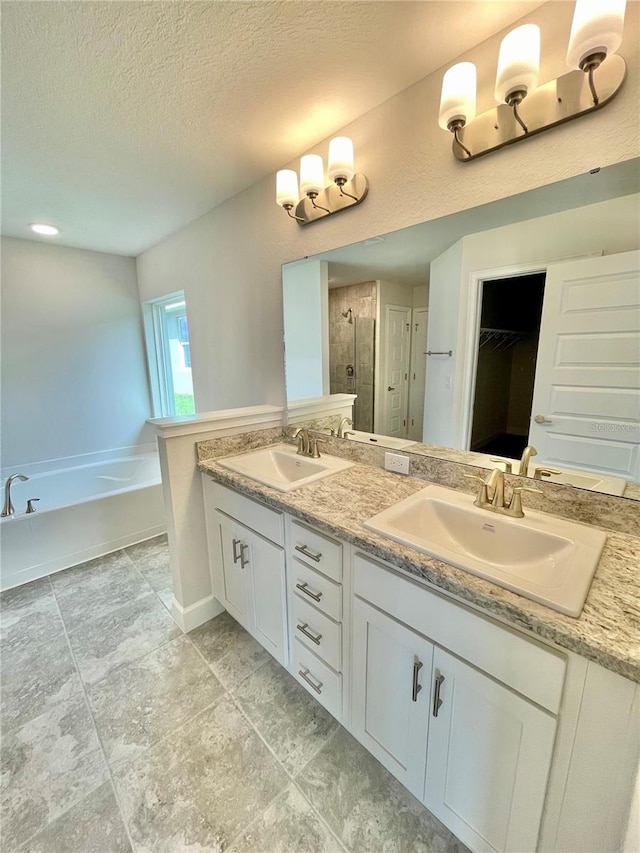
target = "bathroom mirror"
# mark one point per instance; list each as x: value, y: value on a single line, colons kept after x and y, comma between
x: 446, y: 332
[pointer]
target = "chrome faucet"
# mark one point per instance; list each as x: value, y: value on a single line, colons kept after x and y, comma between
x: 494, y: 501
x: 527, y: 453
x: 8, y: 508
x: 341, y: 432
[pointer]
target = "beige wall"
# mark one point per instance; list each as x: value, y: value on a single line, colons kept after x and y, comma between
x: 228, y: 262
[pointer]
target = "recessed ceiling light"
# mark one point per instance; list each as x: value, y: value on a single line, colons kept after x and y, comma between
x: 373, y: 241
x: 46, y: 230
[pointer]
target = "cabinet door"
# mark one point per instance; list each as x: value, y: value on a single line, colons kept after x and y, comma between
x: 234, y: 592
x: 488, y: 759
x: 265, y: 563
x: 391, y: 680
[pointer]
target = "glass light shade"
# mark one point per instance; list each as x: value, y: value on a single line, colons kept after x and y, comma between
x: 458, y: 97
x: 287, y: 187
x: 518, y: 62
x: 311, y: 174
x: 341, y: 163
x: 597, y: 28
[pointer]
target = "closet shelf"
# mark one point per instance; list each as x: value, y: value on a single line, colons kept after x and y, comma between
x: 499, y: 339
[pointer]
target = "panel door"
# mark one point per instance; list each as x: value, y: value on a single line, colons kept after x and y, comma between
x: 391, y: 675
x: 488, y: 760
x: 396, y: 376
x: 266, y: 564
x: 234, y: 592
x: 587, y: 385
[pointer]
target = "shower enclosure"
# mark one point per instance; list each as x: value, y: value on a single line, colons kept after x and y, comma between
x: 352, y: 312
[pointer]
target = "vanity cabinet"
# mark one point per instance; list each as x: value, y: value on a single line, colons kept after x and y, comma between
x: 248, y: 565
x: 456, y: 733
x: 315, y: 569
x: 488, y: 758
x: 391, y: 693
x: 514, y: 745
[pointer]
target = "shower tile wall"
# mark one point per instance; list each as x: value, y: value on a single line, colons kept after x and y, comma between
x: 353, y: 343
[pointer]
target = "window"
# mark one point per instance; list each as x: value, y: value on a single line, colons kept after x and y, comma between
x: 169, y: 354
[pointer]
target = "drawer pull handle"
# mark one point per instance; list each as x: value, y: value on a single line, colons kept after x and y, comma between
x: 305, y: 675
x: 304, y: 550
x: 236, y: 556
x: 304, y: 588
x: 416, y: 688
x: 244, y: 561
x: 315, y: 638
x: 437, y: 701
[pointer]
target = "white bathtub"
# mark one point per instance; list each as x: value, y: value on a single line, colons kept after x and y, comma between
x: 84, y: 511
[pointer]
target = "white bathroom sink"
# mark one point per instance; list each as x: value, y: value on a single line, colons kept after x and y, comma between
x: 541, y: 557
x: 592, y: 480
x: 282, y: 468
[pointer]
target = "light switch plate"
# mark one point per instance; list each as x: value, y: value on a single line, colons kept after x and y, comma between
x: 396, y: 462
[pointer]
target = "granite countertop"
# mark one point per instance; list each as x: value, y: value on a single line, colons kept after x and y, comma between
x: 607, y: 631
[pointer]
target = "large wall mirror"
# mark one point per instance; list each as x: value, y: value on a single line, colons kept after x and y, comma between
x: 511, y: 325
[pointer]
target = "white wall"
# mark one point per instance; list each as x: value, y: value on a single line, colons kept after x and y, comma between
x: 228, y: 262
x: 608, y: 227
x: 74, y: 374
x: 305, y: 288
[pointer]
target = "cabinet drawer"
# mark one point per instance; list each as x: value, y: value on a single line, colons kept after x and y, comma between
x: 524, y: 665
x: 316, y: 589
x: 316, y: 550
x: 321, y: 681
x: 319, y: 633
x: 265, y: 521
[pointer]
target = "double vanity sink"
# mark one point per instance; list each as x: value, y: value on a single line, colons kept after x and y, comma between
x: 544, y: 558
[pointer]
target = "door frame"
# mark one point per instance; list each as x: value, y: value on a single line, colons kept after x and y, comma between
x: 477, y: 279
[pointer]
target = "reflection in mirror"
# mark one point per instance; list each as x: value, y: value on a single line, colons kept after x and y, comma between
x: 472, y: 337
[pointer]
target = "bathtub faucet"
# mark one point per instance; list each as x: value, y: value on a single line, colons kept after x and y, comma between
x: 8, y: 509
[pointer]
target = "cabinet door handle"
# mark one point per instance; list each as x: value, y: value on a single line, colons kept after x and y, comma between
x: 304, y: 588
x: 304, y: 550
x: 315, y: 638
x: 244, y: 561
x: 236, y: 556
x: 416, y: 688
x: 437, y: 701
x: 305, y: 674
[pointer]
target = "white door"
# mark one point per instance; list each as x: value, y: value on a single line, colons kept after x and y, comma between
x: 391, y: 676
x: 417, y: 373
x: 233, y: 593
x: 266, y: 566
x: 488, y: 759
x: 586, y: 399
x: 396, y: 372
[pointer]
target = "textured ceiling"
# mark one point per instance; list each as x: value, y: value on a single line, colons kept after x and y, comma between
x: 123, y: 121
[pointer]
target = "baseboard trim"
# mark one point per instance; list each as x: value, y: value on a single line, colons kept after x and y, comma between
x: 197, y: 614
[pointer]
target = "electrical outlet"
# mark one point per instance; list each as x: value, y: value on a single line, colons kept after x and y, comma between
x: 396, y: 462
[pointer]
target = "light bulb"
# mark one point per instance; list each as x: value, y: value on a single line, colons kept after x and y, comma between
x: 287, y: 188
x: 46, y: 230
x: 311, y: 174
x: 458, y: 97
x: 341, y: 166
x: 596, y: 29
x: 518, y: 62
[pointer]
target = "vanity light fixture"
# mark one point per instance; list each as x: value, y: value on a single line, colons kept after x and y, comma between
x: 317, y: 198
x: 44, y: 230
x: 524, y: 107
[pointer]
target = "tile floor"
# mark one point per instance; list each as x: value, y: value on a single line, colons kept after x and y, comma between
x: 119, y: 733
